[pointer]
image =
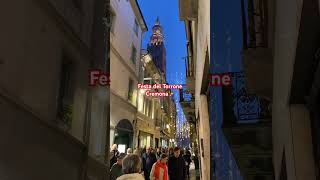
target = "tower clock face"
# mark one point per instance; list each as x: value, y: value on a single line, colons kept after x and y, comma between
x: 158, y: 31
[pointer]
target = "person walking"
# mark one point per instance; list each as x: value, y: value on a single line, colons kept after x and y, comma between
x: 144, y: 150
x: 176, y: 166
x: 114, y: 153
x: 148, y: 160
x: 129, y: 151
x: 187, y: 159
x: 158, y: 153
x: 170, y: 152
x: 116, y: 169
x: 159, y: 169
x: 131, y: 168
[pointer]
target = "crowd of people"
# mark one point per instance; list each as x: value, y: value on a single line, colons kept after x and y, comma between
x: 150, y: 164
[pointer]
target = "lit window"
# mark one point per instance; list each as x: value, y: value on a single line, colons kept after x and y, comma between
x: 136, y: 27
x: 130, y: 90
x: 112, y: 21
x: 133, y: 54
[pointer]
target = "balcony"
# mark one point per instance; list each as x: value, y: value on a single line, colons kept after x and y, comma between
x: 187, y: 102
x: 258, y: 67
x: 248, y: 130
x: 188, y: 9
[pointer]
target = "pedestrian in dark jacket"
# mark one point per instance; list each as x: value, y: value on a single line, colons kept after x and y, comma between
x: 114, y: 153
x: 148, y: 160
x: 187, y: 159
x: 116, y: 169
x: 170, y: 152
x: 176, y: 166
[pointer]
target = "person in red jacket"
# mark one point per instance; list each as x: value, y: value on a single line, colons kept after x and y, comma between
x: 159, y: 169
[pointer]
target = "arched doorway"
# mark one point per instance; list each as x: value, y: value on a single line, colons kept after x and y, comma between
x: 123, y: 135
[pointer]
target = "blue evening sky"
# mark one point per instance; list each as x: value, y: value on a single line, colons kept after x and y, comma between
x: 174, y: 34
x: 175, y: 42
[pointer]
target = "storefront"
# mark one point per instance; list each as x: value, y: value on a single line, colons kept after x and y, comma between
x: 164, y: 140
x: 123, y: 135
x: 145, y: 139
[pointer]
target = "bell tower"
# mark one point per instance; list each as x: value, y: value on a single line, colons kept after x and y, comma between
x: 156, y: 46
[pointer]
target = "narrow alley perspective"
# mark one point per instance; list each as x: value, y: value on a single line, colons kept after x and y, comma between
x: 160, y: 90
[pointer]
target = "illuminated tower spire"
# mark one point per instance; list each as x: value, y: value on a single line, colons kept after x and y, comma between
x: 156, y: 46
x: 157, y: 33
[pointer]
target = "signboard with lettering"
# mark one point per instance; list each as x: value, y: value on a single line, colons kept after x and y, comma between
x: 223, y: 79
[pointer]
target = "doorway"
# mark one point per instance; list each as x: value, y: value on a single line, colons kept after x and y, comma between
x: 123, y: 135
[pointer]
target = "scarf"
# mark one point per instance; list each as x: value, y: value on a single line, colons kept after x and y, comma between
x: 160, y: 165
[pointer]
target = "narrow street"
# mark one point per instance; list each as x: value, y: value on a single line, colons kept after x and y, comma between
x: 139, y: 89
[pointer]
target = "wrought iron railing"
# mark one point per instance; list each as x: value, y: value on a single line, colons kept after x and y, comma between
x: 248, y: 107
x: 186, y: 95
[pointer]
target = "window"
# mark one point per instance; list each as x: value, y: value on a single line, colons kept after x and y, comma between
x: 144, y: 106
x: 150, y: 109
x: 130, y: 90
x: 136, y: 27
x: 112, y: 21
x: 133, y: 54
x: 256, y: 33
x: 147, y: 107
x: 65, y: 96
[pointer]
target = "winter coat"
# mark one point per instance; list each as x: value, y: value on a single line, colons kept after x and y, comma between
x: 113, y: 156
x: 135, y: 176
x: 163, y: 171
x: 187, y: 158
x: 116, y: 171
x: 176, y: 168
x: 148, y: 161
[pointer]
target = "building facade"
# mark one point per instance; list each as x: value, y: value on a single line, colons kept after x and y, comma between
x: 149, y: 108
x: 196, y: 15
x: 224, y: 116
x: 293, y: 60
x: 47, y: 50
x: 156, y: 114
x: 295, y: 90
x: 127, y: 30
